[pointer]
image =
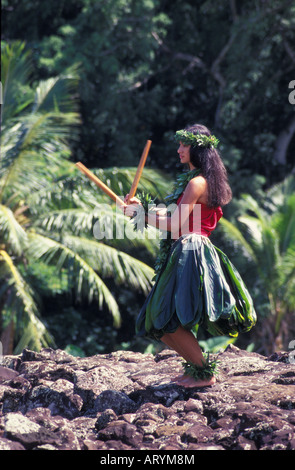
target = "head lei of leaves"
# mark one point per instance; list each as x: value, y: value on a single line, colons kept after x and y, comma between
x: 200, y: 140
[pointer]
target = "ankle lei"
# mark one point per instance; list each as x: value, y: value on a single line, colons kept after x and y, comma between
x: 208, y: 370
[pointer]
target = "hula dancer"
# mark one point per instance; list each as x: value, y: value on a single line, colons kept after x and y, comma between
x: 196, y: 284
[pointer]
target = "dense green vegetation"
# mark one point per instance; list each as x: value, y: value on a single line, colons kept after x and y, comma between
x: 92, y: 80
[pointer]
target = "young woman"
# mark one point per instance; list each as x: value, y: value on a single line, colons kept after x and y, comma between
x: 196, y: 284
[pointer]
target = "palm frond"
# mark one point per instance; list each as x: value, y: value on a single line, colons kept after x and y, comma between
x: 72, y: 189
x: 263, y: 240
x: 158, y: 184
x: 37, y: 142
x: 54, y: 127
x: 18, y: 298
x: 85, y: 280
x: 71, y: 207
x: 235, y: 234
x: 34, y: 150
x: 11, y: 233
x: 76, y: 220
x: 58, y: 93
x: 283, y: 222
x: 110, y: 262
x: 252, y: 205
x: 277, y: 195
x: 34, y: 336
x: 16, y: 69
x: 253, y: 228
x: 104, y: 222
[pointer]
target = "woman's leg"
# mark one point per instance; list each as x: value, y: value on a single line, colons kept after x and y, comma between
x: 186, y: 345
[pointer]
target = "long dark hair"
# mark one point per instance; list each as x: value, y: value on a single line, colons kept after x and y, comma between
x: 212, y: 169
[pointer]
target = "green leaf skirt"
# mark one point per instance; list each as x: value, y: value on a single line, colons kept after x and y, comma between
x: 198, y: 285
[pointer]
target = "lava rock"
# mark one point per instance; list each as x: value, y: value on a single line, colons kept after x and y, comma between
x: 50, y: 400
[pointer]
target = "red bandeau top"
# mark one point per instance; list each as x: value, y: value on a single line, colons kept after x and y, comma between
x: 209, y: 218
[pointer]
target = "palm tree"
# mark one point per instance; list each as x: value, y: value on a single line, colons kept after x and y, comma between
x: 266, y: 234
x: 47, y: 210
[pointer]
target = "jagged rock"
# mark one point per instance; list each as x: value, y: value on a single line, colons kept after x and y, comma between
x: 125, y: 401
x: 7, y: 374
x: 30, y: 434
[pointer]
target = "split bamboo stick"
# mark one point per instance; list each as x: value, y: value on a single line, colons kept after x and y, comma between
x: 139, y: 170
x: 99, y: 183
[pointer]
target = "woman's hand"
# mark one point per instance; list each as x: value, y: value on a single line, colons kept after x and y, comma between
x: 133, y: 206
x: 133, y: 200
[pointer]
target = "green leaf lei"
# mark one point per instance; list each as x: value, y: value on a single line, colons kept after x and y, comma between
x: 207, y: 370
x: 147, y: 201
x: 201, y: 140
x: 165, y: 244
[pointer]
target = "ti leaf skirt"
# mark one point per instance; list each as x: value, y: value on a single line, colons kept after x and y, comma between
x: 198, y: 285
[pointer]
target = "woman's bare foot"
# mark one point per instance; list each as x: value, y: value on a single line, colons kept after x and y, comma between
x: 190, y: 382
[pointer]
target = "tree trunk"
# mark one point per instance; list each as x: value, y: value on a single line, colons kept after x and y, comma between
x: 7, y: 339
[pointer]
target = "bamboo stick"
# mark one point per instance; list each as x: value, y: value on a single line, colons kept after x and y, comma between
x: 99, y: 183
x: 139, y: 170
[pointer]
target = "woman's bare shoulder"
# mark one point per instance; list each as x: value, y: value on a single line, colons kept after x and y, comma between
x: 196, y: 189
x: 198, y: 180
x: 198, y: 183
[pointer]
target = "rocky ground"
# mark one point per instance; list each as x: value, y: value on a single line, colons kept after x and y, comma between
x: 126, y: 401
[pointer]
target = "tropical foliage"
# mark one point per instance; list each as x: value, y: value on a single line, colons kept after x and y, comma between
x: 48, y: 211
x: 266, y: 234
